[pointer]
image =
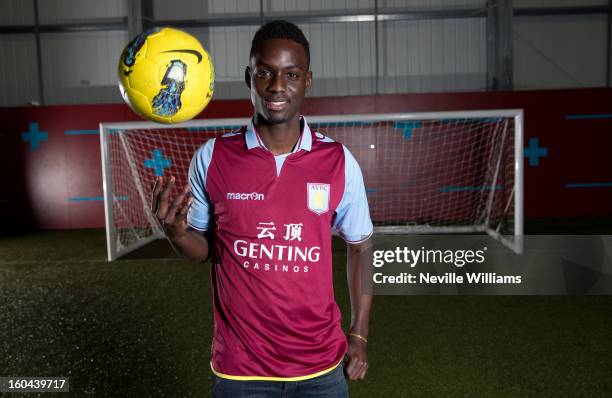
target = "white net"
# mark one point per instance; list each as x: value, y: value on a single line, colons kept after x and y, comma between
x: 442, y: 173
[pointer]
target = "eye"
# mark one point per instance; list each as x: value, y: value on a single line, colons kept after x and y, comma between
x: 262, y: 73
x: 292, y: 75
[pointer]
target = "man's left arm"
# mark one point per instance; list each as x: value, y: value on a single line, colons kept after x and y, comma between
x: 352, y: 222
x: 359, y: 256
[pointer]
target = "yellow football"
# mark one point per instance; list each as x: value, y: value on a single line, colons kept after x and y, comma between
x: 165, y: 75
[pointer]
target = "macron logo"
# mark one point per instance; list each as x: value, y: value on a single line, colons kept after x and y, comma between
x: 245, y: 196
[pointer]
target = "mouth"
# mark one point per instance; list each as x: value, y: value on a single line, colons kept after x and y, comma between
x: 276, y: 105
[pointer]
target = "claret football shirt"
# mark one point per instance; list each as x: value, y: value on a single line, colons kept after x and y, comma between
x: 275, y: 317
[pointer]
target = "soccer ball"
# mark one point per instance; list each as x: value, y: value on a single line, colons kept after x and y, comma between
x: 165, y: 75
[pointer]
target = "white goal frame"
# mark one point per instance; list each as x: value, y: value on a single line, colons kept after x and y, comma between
x: 514, y: 242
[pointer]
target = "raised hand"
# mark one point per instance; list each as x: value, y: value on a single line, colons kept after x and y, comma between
x: 171, y: 212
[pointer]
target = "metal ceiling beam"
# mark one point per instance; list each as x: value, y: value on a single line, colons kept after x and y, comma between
x: 148, y: 20
x: 39, y: 69
x: 92, y: 26
x: 609, y: 47
x: 323, y: 18
x: 499, y: 45
x: 134, y: 17
x: 261, y: 12
x: 551, y: 11
x: 376, y: 50
x: 373, y: 15
x: 147, y: 14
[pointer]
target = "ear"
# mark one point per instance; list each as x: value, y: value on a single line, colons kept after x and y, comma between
x: 247, y: 76
x: 308, y: 80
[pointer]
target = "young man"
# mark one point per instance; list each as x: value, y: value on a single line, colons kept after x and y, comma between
x: 264, y: 201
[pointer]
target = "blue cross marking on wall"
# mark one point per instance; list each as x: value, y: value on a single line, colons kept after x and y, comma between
x: 407, y: 127
x: 34, y: 137
x: 534, y: 152
x: 158, y: 162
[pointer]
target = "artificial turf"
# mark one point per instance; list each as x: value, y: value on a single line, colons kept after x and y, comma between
x: 142, y: 327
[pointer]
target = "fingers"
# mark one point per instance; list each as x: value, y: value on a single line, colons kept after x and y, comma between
x: 157, y: 188
x: 361, y: 371
x: 185, y: 209
x: 161, y: 194
x: 178, y: 209
x: 356, y: 369
x: 166, y: 209
x: 350, y: 369
x: 164, y: 199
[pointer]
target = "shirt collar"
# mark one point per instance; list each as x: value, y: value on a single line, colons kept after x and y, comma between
x: 253, y: 140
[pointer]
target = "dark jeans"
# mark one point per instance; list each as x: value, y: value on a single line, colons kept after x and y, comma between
x: 329, y: 385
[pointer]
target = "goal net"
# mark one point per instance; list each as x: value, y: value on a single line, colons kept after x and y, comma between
x: 439, y: 172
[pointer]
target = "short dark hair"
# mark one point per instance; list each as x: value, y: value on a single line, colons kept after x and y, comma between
x: 279, y: 30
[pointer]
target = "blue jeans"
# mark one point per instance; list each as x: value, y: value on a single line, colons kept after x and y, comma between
x: 329, y: 385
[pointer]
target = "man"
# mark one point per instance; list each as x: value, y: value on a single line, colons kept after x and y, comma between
x: 264, y: 201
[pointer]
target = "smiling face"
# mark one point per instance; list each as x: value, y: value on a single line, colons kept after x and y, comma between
x: 278, y: 77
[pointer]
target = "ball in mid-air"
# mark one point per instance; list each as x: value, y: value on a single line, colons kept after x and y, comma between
x: 165, y: 75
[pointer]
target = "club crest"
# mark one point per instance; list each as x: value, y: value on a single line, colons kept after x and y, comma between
x: 318, y: 197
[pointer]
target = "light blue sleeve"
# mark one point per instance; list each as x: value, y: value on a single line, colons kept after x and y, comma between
x: 198, y: 216
x: 352, y: 220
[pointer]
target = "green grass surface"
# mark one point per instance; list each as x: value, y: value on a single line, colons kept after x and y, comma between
x: 142, y: 327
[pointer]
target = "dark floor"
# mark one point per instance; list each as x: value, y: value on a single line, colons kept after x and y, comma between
x: 142, y: 328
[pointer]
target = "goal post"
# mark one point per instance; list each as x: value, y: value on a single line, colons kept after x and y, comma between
x: 434, y: 172
x: 127, y: 173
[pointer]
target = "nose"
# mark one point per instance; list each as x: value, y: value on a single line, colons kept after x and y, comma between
x: 277, y: 83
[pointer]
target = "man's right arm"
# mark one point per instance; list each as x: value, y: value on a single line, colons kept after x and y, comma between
x: 193, y: 245
x: 186, y: 217
x: 172, y: 216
